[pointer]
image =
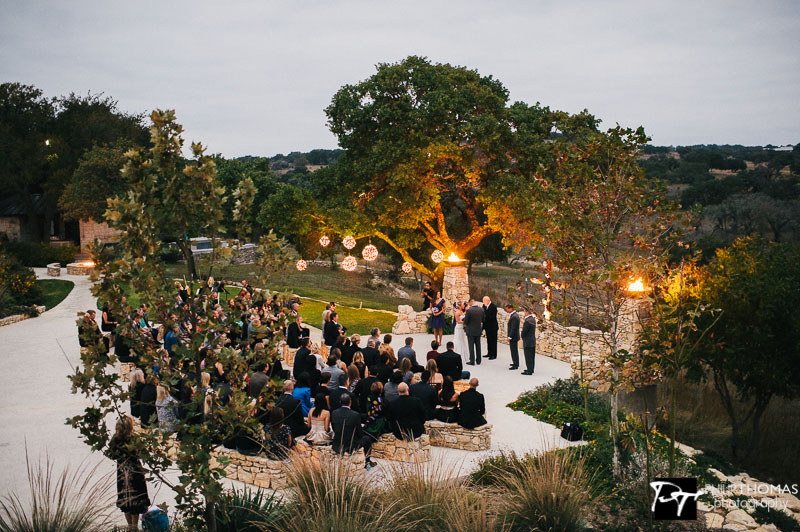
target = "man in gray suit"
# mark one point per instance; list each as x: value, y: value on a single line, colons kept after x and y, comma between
x: 473, y: 327
x: 529, y: 341
x: 513, y: 335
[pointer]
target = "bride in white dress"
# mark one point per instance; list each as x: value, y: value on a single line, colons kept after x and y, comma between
x: 459, y: 336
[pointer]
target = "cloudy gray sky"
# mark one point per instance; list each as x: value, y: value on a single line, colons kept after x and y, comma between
x: 253, y: 77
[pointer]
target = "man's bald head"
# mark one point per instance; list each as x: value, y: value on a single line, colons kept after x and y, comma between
x: 473, y: 382
x: 402, y: 389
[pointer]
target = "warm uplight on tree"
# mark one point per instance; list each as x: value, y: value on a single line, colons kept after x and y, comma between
x: 324, y: 241
x: 437, y: 256
x: 301, y: 265
x: 349, y: 263
x: 349, y: 242
x: 406, y: 267
x: 369, y: 252
x: 636, y: 287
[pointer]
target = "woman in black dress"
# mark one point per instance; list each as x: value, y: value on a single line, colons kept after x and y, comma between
x: 447, y: 410
x: 279, y: 436
x: 132, y: 496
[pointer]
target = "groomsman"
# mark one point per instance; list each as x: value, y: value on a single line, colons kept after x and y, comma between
x: 490, y: 326
x: 473, y: 326
x: 513, y: 335
x: 529, y: 341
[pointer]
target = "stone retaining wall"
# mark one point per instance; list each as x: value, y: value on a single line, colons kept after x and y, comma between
x: 8, y: 320
x: 411, y: 322
x: 454, y: 436
x: 390, y: 448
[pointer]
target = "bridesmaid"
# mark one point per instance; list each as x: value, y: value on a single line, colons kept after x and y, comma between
x: 437, y: 317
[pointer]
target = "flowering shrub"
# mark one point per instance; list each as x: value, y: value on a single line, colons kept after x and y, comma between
x: 18, y: 290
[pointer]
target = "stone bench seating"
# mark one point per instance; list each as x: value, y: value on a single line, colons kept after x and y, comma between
x: 454, y: 436
x: 390, y: 448
x: 54, y: 269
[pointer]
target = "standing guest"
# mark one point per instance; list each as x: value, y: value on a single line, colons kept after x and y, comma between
x: 390, y: 392
x: 292, y: 410
x: 428, y: 295
x: 406, y: 415
x: 529, y: 341
x: 450, y: 364
x: 89, y: 333
x: 473, y: 326
x: 302, y: 392
x: 108, y: 323
x: 326, y: 314
x: 279, y: 436
x: 435, y: 378
x: 513, y: 335
x: 332, y: 330
x: 371, y: 354
x: 434, y: 352
x: 132, y: 496
x: 166, y: 410
x: 490, y: 326
x: 447, y: 410
x: 437, y: 317
x: 135, y: 389
x: 426, y: 394
x: 319, y: 422
x: 473, y: 407
x: 147, y: 405
x: 407, y: 351
x: 376, y: 423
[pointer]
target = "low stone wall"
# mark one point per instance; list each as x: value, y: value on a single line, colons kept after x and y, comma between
x: 411, y: 322
x: 54, y: 269
x: 8, y: 320
x: 454, y: 436
x: 562, y: 343
x: 390, y: 448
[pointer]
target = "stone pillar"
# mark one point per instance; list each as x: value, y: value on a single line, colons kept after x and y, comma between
x: 456, y: 283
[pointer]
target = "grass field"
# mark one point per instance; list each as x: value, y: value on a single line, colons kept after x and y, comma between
x: 54, y: 291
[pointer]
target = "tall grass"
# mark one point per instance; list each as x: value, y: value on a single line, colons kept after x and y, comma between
x: 247, y: 510
x: 74, y: 500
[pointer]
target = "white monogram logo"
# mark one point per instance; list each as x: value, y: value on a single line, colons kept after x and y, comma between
x: 679, y: 496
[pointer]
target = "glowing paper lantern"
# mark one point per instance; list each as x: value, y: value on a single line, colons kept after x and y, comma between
x: 437, y: 256
x: 324, y: 241
x: 406, y: 267
x: 369, y: 253
x: 301, y: 265
x: 349, y: 242
x: 349, y: 263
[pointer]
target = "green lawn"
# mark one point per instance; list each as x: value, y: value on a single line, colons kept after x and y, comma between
x: 357, y: 321
x: 54, y: 291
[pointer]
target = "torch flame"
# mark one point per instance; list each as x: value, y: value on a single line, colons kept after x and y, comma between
x: 453, y: 257
x: 88, y: 264
x: 636, y: 286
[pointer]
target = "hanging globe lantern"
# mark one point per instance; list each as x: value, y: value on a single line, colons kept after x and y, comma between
x: 406, y: 267
x: 349, y: 242
x: 369, y: 252
x: 349, y: 263
x: 324, y: 241
x: 437, y: 256
x: 301, y: 265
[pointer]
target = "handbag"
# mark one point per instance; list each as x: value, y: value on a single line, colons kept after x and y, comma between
x: 571, y: 432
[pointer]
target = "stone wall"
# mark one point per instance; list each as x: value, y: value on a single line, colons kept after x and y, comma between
x: 455, y: 283
x: 10, y: 225
x: 8, y: 320
x: 91, y: 230
x: 411, y: 322
x: 455, y: 436
x: 246, y: 255
x: 390, y: 448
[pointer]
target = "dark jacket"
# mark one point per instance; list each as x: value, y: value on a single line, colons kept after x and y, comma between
x: 294, y: 333
x: 384, y: 372
x: 490, y: 317
x: 427, y: 395
x: 362, y: 391
x: 450, y: 364
x: 336, y: 398
x: 371, y: 356
x: 147, y: 406
x: 406, y: 416
x: 513, y: 327
x: 346, y: 425
x: 302, y: 363
x: 293, y: 414
x: 473, y: 320
x: 473, y: 409
x: 529, y: 332
x: 331, y: 333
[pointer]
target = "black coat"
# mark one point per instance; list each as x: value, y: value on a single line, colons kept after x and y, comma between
x: 293, y: 414
x: 450, y: 364
x: 513, y: 327
x: 294, y: 333
x: 303, y: 362
x: 529, y: 332
x: 427, y: 395
x: 362, y: 391
x: 490, y: 317
x: 473, y: 321
x: 336, y: 398
x: 473, y: 409
x: 147, y: 406
x: 371, y: 356
x: 347, y: 432
x: 384, y: 372
x: 406, y: 416
x: 331, y: 333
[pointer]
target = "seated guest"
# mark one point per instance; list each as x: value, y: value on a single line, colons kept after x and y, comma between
x: 302, y: 392
x: 258, y: 380
x: 358, y: 361
x: 375, y: 335
x: 450, y: 364
x: 407, y: 351
x: 279, y: 436
x: 436, y: 379
x: 334, y: 369
x: 89, y: 333
x: 135, y: 389
x: 473, y: 407
x: 387, y: 339
x: 295, y: 332
x: 389, y: 352
x: 353, y: 376
x: 247, y: 441
x: 347, y: 433
x: 371, y: 355
x: 319, y: 422
x: 384, y: 369
x: 405, y: 369
x: 291, y: 410
x: 426, y: 394
x: 362, y: 391
x: 172, y: 338
x: 447, y: 410
x: 434, y: 352
x: 406, y: 415
x: 351, y: 349
x: 336, y: 394
x: 166, y: 410
x: 390, y: 392
x: 324, y: 388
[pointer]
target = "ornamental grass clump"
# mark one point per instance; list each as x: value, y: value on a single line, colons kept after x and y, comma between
x: 75, y: 500
x: 550, y: 493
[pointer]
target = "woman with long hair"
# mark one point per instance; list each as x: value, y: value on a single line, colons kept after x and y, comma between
x: 319, y: 419
x: 353, y: 376
x: 437, y: 317
x: 405, y: 369
x: 447, y: 409
x: 279, y: 439
x: 436, y: 380
x: 460, y: 345
x: 358, y: 361
x: 389, y: 351
x: 132, y: 496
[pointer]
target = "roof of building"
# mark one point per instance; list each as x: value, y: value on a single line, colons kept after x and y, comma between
x: 14, y: 206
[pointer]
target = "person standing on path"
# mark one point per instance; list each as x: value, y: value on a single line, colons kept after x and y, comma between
x: 529, y: 341
x: 473, y: 326
x: 132, y: 496
x: 513, y: 336
x: 437, y: 322
x: 490, y: 326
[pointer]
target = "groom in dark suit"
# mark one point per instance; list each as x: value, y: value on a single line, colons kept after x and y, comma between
x: 490, y: 326
x: 473, y: 326
x: 513, y: 335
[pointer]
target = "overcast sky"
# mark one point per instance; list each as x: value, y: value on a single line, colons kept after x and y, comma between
x: 255, y: 77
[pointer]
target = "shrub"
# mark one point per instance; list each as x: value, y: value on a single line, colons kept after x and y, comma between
x: 18, y: 288
x: 549, y: 493
x: 765, y: 516
x: 247, y: 511
x: 40, y: 254
x: 73, y: 501
x: 493, y: 470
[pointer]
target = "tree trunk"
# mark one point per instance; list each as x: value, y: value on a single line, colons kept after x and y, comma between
x: 616, y: 465
x: 186, y: 248
x: 211, y: 516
